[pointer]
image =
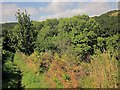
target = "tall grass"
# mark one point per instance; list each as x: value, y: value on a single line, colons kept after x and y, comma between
x: 64, y: 72
x: 30, y: 77
x: 103, y: 72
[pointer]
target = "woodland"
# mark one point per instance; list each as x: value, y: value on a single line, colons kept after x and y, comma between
x: 72, y: 52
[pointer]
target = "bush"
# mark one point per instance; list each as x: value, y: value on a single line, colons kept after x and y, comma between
x: 11, y: 75
x: 30, y: 67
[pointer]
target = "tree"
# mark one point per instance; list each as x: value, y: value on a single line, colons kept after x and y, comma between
x: 9, y: 41
x: 46, y: 35
x: 44, y: 41
x: 113, y: 42
x: 108, y: 23
x: 84, y: 35
x: 101, y: 43
x: 25, y: 33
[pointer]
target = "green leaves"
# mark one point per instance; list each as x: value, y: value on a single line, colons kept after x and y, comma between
x: 43, y: 41
x: 11, y: 75
x: 101, y: 43
x: 112, y: 42
x: 85, y: 37
x: 25, y: 33
x: 59, y: 46
x: 109, y: 24
x: 77, y: 33
x: 109, y: 43
x: 66, y: 77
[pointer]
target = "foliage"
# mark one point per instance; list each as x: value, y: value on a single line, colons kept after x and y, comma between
x: 46, y: 35
x: 109, y: 24
x: 54, y: 50
x: 11, y: 75
x: 112, y: 42
x: 63, y: 73
x: 7, y: 55
x: 10, y: 72
x: 44, y: 42
x: 103, y: 72
x: 83, y: 36
x: 77, y: 33
x: 101, y: 43
x: 9, y: 42
x: 30, y: 79
x: 25, y: 33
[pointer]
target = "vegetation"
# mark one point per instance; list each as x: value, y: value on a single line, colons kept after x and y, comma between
x: 75, y: 52
x: 103, y: 72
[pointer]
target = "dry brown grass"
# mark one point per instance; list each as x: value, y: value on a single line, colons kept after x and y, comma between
x: 103, y: 72
x: 114, y: 14
x: 58, y: 69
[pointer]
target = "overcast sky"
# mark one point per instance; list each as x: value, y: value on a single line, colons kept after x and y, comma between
x: 56, y: 9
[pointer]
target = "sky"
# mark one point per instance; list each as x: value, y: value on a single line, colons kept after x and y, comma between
x: 40, y: 10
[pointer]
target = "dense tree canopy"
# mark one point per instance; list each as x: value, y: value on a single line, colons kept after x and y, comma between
x: 109, y: 23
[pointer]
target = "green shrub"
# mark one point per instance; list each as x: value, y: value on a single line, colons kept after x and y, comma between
x: 30, y: 78
x: 11, y: 75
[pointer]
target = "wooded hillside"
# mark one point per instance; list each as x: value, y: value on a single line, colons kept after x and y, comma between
x: 75, y: 52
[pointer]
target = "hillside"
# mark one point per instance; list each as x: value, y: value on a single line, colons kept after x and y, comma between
x: 75, y: 52
x: 109, y: 23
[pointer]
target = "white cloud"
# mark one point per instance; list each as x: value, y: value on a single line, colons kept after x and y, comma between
x: 60, y: 0
x: 0, y: 11
x: 9, y: 11
x: 54, y: 7
x: 65, y: 13
x: 92, y: 9
x: 105, y: 1
x: 51, y: 8
x: 57, y: 10
x: 45, y: 1
x: 85, y: 0
x: 96, y: 8
x: 31, y: 10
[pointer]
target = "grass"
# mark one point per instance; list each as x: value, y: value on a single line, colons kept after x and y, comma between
x: 29, y: 78
x: 101, y: 72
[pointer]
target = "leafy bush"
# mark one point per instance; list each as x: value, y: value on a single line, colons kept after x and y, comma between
x: 7, y: 55
x: 44, y: 42
x: 31, y: 78
x: 11, y: 75
x: 112, y: 42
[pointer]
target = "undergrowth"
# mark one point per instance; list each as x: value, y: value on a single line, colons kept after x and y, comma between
x: 48, y: 70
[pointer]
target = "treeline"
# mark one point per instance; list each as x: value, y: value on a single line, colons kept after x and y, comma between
x: 81, y: 34
x: 80, y: 37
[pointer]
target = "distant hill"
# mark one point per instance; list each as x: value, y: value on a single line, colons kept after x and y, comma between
x: 112, y: 13
x: 8, y: 25
x: 109, y: 23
